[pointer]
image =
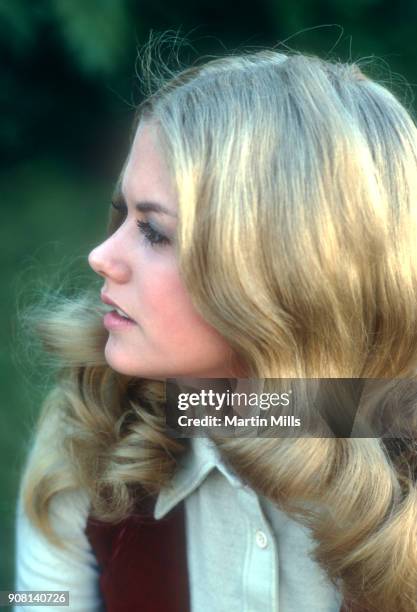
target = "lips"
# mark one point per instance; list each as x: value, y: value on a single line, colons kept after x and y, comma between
x: 106, y: 300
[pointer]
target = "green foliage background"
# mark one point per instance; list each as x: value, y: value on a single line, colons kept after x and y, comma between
x: 67, y: 90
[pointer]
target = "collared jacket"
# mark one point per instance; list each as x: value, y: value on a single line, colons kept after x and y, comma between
x: 211, y: 545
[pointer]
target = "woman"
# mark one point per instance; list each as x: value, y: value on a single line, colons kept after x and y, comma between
x: 265, y: 226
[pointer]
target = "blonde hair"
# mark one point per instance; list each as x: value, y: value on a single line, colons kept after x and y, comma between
x: 297, y: 241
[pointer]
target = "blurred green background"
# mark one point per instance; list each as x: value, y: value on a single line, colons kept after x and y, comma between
x: 68, y: 87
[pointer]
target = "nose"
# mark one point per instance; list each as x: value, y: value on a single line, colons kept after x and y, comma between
x: 109, y: 262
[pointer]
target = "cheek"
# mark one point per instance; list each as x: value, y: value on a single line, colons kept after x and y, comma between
x: 174, y: 317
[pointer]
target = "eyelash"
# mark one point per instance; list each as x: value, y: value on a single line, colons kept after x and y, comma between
x: 152, y: 236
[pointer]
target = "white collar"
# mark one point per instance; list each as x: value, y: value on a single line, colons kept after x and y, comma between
x: 193, y: 468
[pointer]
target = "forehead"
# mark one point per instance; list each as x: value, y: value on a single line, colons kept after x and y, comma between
x: 146, y: 175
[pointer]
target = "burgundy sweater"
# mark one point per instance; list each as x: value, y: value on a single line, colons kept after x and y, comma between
x: 143, y: 563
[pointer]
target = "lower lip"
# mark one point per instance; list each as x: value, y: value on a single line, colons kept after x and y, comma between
x: 112, y: 320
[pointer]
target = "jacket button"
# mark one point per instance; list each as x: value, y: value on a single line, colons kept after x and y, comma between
x: 261, y: 539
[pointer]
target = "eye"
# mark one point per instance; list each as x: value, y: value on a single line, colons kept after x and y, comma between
x: 151, y: 235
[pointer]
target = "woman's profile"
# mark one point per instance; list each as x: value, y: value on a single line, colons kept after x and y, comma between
x: 264, y: 226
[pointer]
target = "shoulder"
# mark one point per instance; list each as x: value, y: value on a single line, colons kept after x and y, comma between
x: 41, y: 565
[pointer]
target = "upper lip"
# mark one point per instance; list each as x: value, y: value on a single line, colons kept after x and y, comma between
x: 105, y: 298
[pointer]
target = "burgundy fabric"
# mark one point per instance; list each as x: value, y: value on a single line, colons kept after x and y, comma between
x: 143, y: 563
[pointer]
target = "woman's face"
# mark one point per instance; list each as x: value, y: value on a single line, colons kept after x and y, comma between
x: 164, y: 336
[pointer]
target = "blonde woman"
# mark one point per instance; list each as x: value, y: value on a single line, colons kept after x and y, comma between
x: 264, y: 226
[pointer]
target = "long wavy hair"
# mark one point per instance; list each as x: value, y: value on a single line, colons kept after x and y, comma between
x: 297, y: 241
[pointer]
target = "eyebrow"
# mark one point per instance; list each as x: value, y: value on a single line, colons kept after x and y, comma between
x: 153, y: 207
x: 142, y: 206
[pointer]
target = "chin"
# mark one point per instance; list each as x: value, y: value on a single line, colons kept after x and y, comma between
x: 117, y: 361
x: 120, y: 362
